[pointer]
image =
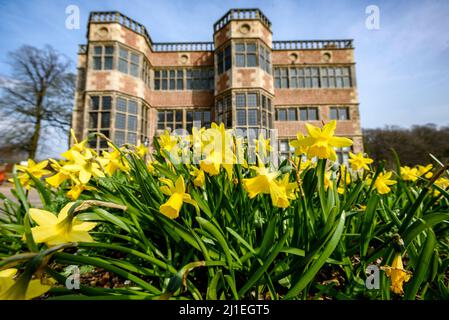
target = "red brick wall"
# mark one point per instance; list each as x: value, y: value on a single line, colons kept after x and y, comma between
x: 313, y: 96
x: 312, y: 56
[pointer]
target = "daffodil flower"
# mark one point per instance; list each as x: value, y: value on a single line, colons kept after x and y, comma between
x: 425, y: 171
x: 397, y: 274
x: 60, y: 176
x: 265, y: 183
x: 54, y: 230
x: 167, y: 141
x: 178, y: 195
x: 114, y: 161
x: 141, y: 150
x: 359, y: 161
x: 76, y: 190
x: 85, y: 166
x: 199, y: 176
x: 77, y: 146
x: 262, y: 145
x: 383, y: 182
x: 37, y: 170
x: 409, y: 174
x: 321, y: 142
x: 9, y: 290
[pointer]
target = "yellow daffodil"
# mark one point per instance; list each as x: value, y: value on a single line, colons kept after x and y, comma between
x: 77, y: 146
x: 60, y: 176
x: 265, y: 183
x: 219, y: 147
x: 141, y: 150
x: 397, y: 274
x: 345, y: 179
x: 441, y: 182
x: 289, y: 189
x: 409, y: 174
x: 167, y: 141
x: 321, y: 142
x: 76, y: 190
x: 262, y: 145
x: 10, y: 291
x: 383, y: 182
x: 114, y: 161
x: 178, y: 196
x: 425, y: 171
x: 86, y: 166
x: 37, y: 170
x: 327, y: 181
x: 54, y: 230
x: 358, y: 161
x: 199, y: 177
x: 298, y: 144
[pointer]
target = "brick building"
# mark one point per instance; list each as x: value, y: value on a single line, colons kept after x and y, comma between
x: 131, y: 88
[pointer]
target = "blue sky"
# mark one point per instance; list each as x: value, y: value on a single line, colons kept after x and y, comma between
x: 402, y: 68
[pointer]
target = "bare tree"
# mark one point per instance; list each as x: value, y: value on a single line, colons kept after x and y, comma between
x: 40, y: 96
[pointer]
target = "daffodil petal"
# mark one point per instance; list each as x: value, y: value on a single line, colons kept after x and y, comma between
x: 43, y: 217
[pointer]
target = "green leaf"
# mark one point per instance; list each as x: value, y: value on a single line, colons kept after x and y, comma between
x: 313, y: 269
x: 421, y: 266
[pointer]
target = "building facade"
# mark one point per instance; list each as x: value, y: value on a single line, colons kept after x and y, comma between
x: 131, y: 88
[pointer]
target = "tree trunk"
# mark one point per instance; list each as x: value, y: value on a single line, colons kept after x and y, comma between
x: 35, y: 139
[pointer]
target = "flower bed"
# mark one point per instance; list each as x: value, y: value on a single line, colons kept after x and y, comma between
x: 183, y: 223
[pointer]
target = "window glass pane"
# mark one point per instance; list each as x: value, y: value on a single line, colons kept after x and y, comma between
x: 93, y: 117
x: 303, y: 114
x: 251, y: 47
x: 121, y: 104
x: 241, y: 117
x: 97, y: 49
x: 119, y: 138
x: 292, y: 114
x: 132, y: 107
x: 172, y: 84
x: 132, y: 138
x: 252, y: 100
x: 132, y: 123
x: 123, y: 53
x: 313, y: 114
x: 197, y: 116
x: 107, y: 103
x: 178, y: 115
x: 333, y: 114
x: 134, y: 70
x: 240, y: 60
x: 179, y: 84
x: 239, y: 47
x: 343, y: 114
x: 164, y: 84
x: 120, y: 121
x: 134, y: 58
x: 123, y: 66
x: 251, y: 60
x: 105, y: 119
x: 282, y: 115
x: 95, y: 102
x: 189, y: 116
x: 97, y: 63
x: 157, y: 84
x: 252, y: 117
x: 109, y: 50
x: 108, y: 63
x: 240, y: 100
x: 206, y: 116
